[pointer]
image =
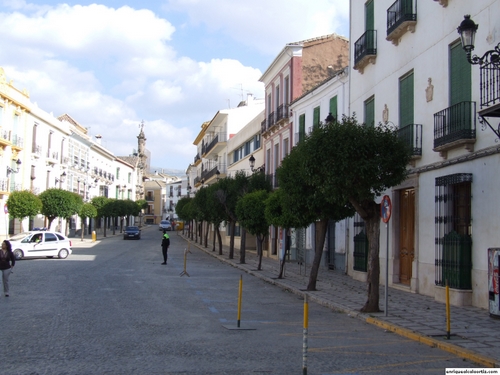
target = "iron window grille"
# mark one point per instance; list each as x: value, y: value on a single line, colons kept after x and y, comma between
x: 453, y: 241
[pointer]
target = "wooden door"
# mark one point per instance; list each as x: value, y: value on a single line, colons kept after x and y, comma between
x: 406, y: 234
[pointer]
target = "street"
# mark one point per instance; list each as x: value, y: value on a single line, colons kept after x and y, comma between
x: 112, y: 308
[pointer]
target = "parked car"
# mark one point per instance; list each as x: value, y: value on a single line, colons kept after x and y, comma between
x: 131, y: 232
x: 165, y: 225
x: 40, y: 244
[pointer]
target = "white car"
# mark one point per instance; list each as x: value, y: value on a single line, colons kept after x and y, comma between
x: 40, y: 244
x: 165, y: 225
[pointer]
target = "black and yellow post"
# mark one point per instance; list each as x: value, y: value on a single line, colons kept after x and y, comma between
x: 304, y: 336
x: 240, y: 292
x: 448, y: 321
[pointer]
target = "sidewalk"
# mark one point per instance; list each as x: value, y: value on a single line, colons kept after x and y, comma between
x: 475, y: 336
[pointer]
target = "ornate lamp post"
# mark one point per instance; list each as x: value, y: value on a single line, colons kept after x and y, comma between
x: 489, y: 73
x: 467, y: 31
x: 251, y: 160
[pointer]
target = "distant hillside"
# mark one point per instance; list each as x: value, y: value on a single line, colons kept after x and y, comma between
x: 171, y: 172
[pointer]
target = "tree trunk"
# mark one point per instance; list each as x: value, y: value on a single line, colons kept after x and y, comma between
x: 372, y: 223
x: 260, y: 240
x: 114, y: 221
x: 219, y: 238
x: 105, y: 219
x: 83, y: 226
x: 206, y: 234
x: 243, y: 244
x: 215, y: 233
x: 231, y: 241
x: 200, y: 226
x: 195, y: 231
x: 320, y: 235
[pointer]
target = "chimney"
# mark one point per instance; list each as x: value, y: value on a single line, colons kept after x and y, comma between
x: 249, y: 98
x: 98, y: 139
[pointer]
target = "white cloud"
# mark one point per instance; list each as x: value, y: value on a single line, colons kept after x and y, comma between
x: 111, y: 68
x: 267, y: 25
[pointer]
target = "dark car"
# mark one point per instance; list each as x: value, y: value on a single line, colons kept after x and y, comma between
x: 132, y: 232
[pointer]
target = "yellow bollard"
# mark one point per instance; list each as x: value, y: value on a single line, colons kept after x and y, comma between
x: 94, y: 236
x: 448, y: 322
x: 239, y: 300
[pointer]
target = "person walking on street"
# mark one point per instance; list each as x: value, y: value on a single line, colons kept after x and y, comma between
x: 7, y: 262
x: 165, y: 243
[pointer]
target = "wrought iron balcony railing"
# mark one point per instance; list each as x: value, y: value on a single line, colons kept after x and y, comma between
x: 411, y: 135
x: 490, y: 83
x: 455, y: 123
x: 400, y: 12
x: 282, y: 112
x: 366, y: 45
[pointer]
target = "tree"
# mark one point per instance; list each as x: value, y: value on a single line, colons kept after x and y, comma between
x: 56, y: 203
x: 278, y: 212
x: 216, y: 213
x: 99, y: 203
x: 251, y: 215
x: 200, y: 204
x: 87, y: 210
x: 22, y: 204
x: 304, y: 196
x: 348, y: 165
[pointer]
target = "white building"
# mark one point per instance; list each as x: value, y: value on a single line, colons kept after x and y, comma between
x: 410, y: 70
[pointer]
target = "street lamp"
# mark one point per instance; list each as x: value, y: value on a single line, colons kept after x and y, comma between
x: 467, y: 31
x: 489, y: 72
x: 252, y: 162
x: 12, y: 170
x: 329, y: 118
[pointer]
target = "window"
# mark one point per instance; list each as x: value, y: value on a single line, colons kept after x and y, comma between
x: 129, y: 179
x: 302, y: 127
x: 370, y: 112
x: 247, y: 148
x: 277, y: 98
x: 406, y: 100
x: 460, y: 76
x: 34, y: 146
x: 333, y: 107
x: 1, y: 115
x: 117, y: 172
x: 454, y: 231
x: 50, y: 237
x: 286, y: 92
x: 285, y: 147
x: 256, y: 142
x: 369, y: 16
x: 316, y: 117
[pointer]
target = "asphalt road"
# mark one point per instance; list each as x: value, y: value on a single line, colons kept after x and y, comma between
x: 112, y: 308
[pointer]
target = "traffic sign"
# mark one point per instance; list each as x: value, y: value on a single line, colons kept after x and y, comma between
x: 385, y: 209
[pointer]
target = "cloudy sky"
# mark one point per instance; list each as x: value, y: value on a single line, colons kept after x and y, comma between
x: 173, y: 64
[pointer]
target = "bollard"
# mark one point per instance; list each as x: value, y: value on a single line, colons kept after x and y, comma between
x: 94, y: 237
x: 240, y: 292
x: 186, y: 251
x: 448, y: 323
x: 304, y: 336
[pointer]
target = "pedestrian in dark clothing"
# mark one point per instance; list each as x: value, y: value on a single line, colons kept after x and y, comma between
x: 165, y: 243
x: 7, y: 262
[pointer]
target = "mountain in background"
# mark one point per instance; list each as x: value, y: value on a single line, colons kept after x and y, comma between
x: 171, y: 172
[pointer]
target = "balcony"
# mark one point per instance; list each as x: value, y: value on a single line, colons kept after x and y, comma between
x: 455, y: 127
x: 263, y: 127
x: 150, y: 199
x: 411, y: 135
x: 36, y: 150
x: 401, y: 18
x: 17, y: 142
x: 217, y: 144
x: 365, y: 50
x: 4, y: 185
x: 197, y: 159
x: 282, y: 112
x: 4, y: 136
x: 490, y: 89
x: 52, y: 157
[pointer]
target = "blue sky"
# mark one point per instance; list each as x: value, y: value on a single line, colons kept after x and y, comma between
x: 172, y: 63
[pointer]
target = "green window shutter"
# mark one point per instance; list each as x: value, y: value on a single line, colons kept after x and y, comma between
x: 333, y: 106
x: 302, y: 127
x: 369, y: 16
x: 370, y: 112
x: 316, y: 117
x: 460, y: 76
x: 406, y: 109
